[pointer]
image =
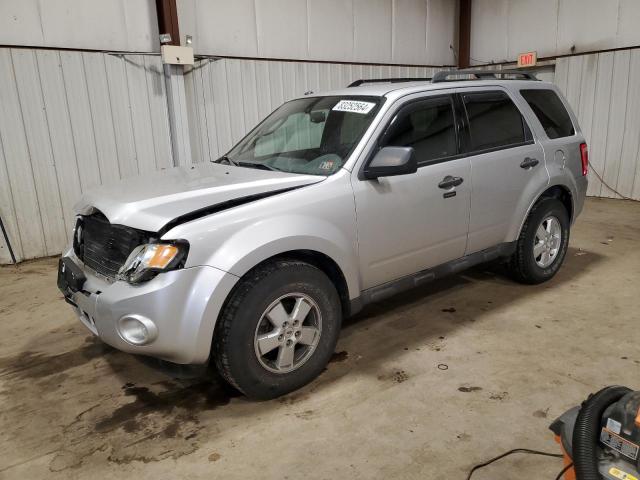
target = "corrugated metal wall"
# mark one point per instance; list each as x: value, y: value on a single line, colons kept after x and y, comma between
x: 501, y: 29
x: 416, y: 32
x: 603, y: 91
x: 69, y: 121
x: 229, y: 97
x: 122, y: 25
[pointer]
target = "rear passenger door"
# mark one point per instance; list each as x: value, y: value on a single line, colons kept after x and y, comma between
x: 507, y: 165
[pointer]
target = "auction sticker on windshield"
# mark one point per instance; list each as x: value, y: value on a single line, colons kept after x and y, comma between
x: 353, y: 106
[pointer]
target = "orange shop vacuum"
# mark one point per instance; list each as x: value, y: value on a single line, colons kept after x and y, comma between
x: 601, y: 437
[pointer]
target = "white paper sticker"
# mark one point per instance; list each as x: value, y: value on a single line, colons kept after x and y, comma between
x: 353, y: 106
x: 613, y: 425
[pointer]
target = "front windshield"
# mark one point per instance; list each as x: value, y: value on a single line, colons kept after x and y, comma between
x: 312, y: 135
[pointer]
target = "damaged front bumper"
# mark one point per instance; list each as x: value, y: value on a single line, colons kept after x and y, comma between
x: 177, y: 310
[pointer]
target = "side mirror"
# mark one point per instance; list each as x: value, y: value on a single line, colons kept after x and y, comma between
x: 391, y: 161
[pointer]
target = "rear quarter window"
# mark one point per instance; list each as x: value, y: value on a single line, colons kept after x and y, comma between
x: 550, y: 111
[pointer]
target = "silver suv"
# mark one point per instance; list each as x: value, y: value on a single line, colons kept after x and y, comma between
x: 334, y: 201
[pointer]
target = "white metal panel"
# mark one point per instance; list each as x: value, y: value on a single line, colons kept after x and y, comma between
x: 198, y: 131
x: 562, y: 74
x: 39, y: 143
x: 288, y: 80
x: 61, y: 135
x: 127, y: 25
x: 489, y: 20
x: 157, y: 96
x: 28, y: 225
x: 276, y: 88
x: 628, y: 32
x: 532, y: 26
x: 382, y: 31
x: 409, y: 43
x: 442, y: 32
x: 616, y: 124
x: 81, y: 120
x: 599, y: 129
x: 263, y: 93
x: 20, y: 23
x: 587, y: 95
x: 282, y: 29
x: 249, y: 93
x: 372, y: 30
x: 500, y: 29
x: 120, y: 109
x: 220, y: 94
x: 228, y: 27
x: 141, y: 21
x: 331, y: 29
x: 574, y: 77
x: 178, y: 115
x: 102, y: 119
x: 236, y: 101
x: 140, y: 113
x: 587, y: 25
x: 7, y: 214
x: 631, y: 138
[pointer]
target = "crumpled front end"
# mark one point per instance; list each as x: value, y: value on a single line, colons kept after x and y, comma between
x: 171, y: 317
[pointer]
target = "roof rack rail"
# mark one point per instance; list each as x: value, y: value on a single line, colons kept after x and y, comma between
x: 444, y: 75
x: 362, y: 81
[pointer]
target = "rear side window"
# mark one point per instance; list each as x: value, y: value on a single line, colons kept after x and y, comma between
x: 428, y: 126
x: 550, y: 111
x: 494, y: 121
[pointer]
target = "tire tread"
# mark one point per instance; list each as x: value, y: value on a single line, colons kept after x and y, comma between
x: 223, y: 327
x: 517, y: 264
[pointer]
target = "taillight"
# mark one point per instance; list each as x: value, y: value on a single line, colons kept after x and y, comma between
x: 584, y: 156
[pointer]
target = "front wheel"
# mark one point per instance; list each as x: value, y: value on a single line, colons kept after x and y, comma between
x: 278, y: 330
x: 542, y: 244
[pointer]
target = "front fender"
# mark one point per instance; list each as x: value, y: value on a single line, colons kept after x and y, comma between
x: 274, y: 236
x: 320, y: 218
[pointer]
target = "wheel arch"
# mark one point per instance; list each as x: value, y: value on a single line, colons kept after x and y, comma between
x: 558, y: 191
x: 318, y: 259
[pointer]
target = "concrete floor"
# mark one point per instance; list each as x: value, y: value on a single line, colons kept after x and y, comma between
x: 422, y: 386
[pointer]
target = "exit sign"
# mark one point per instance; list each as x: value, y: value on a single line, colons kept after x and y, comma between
x: 528, y: 59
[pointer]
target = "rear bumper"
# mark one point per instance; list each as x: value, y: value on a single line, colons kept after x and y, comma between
x: 581, y: 187
x: 183, y: 304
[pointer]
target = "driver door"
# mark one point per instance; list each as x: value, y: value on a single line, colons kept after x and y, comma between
x: 412, y: 222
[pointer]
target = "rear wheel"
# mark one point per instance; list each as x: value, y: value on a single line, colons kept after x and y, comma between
x: 542, y: 244
x: 278, y: 329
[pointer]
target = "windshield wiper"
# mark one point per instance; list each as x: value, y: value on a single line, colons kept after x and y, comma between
x: 235, y: 163
x: 259, y: 166
x: 227, y: 159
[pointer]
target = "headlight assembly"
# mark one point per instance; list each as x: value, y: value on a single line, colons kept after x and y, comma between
x: 146, y: 261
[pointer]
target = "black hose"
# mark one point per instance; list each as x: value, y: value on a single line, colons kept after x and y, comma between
x: 586, y: 432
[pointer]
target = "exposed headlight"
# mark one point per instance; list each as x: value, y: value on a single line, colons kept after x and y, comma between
x: 146, y: 261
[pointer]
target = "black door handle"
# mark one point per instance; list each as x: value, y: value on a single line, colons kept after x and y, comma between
x: 529, y: 162
x: 449, y: 181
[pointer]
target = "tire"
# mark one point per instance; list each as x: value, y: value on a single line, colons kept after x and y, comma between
x: 525, y: 266
x: 237, y: 350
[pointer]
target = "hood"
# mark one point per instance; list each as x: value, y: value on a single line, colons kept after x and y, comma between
x: 149, y: 202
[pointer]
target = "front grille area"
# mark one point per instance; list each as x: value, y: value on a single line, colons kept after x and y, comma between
x: 104, y: 247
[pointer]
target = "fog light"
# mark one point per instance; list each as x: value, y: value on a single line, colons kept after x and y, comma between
x: 137, y: 330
